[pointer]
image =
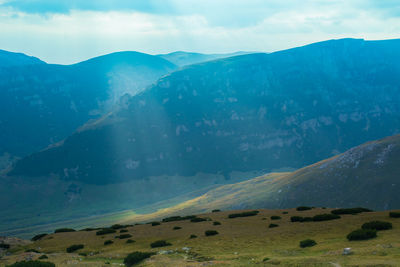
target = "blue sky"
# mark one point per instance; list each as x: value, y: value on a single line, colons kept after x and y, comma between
x: 68, y: 31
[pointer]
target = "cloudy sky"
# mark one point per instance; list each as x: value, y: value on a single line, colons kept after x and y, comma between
x: 68, y: 31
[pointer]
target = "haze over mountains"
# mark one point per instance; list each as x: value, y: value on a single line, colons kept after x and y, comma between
x: 200, y: 126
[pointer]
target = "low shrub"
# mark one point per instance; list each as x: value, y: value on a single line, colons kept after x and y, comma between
x: 83, y: 254
x: 217, y: 210
x: 210, y: 232
x: 178, y: 218
x: 285, y: 212
x: 377, y: 225
x: 275, y: 217
x: 73, y: 248
x: 307, y: 243
x: 296, y: 219
x: 325, y: 217
x: 265, y: 259
x: 136, y: 257
x: 350, y: 211
x: 243, y: 214
x: 4, y: 246
x: 108, y: 242
x: 193, y: 236
x: 89, y: 229
x: 176, y: 228
x: 105, y: 231
x: 123, y: 231
x: 155, y: 223
x: 272, y: 225
x: 361, y: 234
x: 130, y: 241
x: 197, y: 219
x: 394, y: 214
x: 32, y: 264
x: 38, y: 237
x: 303, y: 208
x: 43, y: 257
x: 118, y: 226
x: 216, y: 223
x: 160, y: 243
x: 124, y: 236
x: 64, y: 230
x: 32, y: 250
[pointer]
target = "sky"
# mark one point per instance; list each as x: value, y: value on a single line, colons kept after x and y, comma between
x: 69, y: 31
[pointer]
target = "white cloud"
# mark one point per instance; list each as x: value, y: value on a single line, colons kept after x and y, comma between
x: 78, y: 35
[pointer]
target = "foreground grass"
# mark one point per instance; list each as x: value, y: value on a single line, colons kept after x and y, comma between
x: 243, y: 241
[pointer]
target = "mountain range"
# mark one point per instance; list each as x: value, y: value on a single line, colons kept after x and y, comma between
x: 197, y: 127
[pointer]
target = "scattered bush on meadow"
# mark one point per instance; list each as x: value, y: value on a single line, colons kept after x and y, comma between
x: 73, y: 248
x: 243, y: 214
x: 118, y: 226
x: 216, y: 210
x: 197, y: 219
x: 361, y: 234
x: 307, y: 243
x: 285, y: 212
x: 136, y: 257
x: 123, y: 231
x: 32, y: 250
x: 178, y: 218
x: 350, y: 211
x: 38, y: 237
x: 325, y: 217
x: 176, y: 228
x: 64, y: 230
x: 155, y: 223
x: 105, y: 231
x: 210, y: 232
x: 193, y: 236
x: 377, y: 225
x: 32, y: 264
x: 216, y: 223
x: 274, y: 217
x: 303, y: 208
x: 83, y: 254
x: 296, y: 219
x: 124, y: 236
x: 130, y: 241
x: 108, y: 242
x: 272, y: 225
x: 160, y: 243
x: 4, y: 246
x: 394, y: 214
x: 43, y: 257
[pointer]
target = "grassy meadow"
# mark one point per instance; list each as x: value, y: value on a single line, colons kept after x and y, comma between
x: 243, y: 241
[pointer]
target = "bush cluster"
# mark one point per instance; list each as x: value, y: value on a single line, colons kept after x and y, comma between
x: 32, y: 250
x: 377, y: 225
x: 243, y: 214
x: 307, y: 243
x: 303, y: 208
x: 274, y: 217
x: 38, y: 237
x: 216, y: 223
x: 216, y: 210
x: 350, y: 211
x: 178, y: 218
x: 129, y: 241
x: 197, y: 219
x: 118, y: 226
x: 32, y: 264
x: 4, y: 246
x: 73, y: 248
x: 105, y: 231
x: 176, y: 228
x: 136, y: 257
x: 43, y: 257
x: 108, y: 242
x: 160, y: 243
x: 124, y: 236
x: 123, y: 231
x: 193, y: 236
x: 64, y: 230
x: 272, y: 225
x: 210, y: 232
x: 361, y: 234
x: 316, y: 218
x: 394, y: 214
x: 155, y: 223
